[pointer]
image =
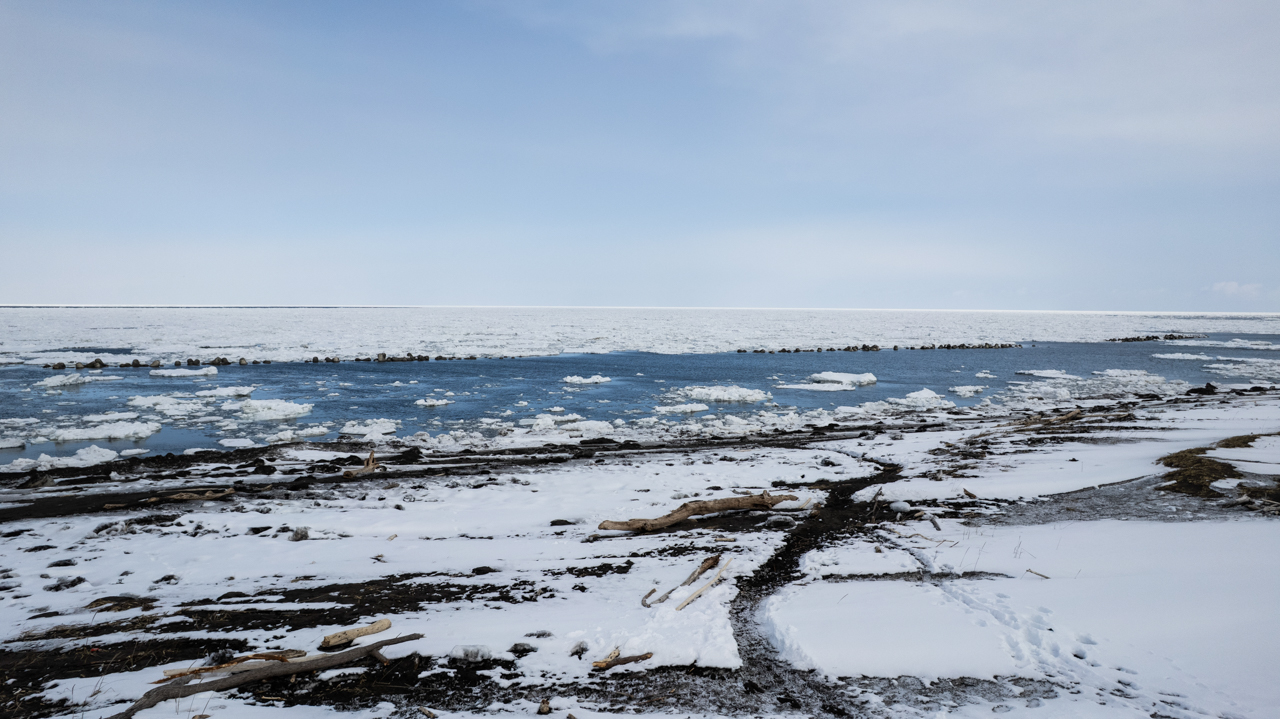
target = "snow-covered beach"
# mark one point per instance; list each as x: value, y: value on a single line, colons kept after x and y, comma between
x: 1072, y: 543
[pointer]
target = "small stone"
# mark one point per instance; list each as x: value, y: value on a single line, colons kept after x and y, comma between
x: 483, y: 570
x: 544, y: 707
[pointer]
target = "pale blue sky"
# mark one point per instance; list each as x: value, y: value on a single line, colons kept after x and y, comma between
x: 1013, y: 155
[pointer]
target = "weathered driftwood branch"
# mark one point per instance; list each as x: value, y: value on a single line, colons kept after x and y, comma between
x: 707, y: 565
x: 370, y: 465
x: 764, y: 500
x: 705, y: 587
x: 284, y: 656
x: 350, y: 635
x: 614, y: 660
x: 179, y: 688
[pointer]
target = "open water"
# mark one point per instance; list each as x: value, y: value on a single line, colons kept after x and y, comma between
x: 489, y: 390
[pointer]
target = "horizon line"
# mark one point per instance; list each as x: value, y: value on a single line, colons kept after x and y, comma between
x: 625, y: 307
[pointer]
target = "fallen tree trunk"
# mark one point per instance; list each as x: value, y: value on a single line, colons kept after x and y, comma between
x: 764, y: 500
x: 180, y: 688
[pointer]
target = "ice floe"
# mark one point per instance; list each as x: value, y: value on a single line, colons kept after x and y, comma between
x: 724, y: 393
x: 593, y: 379
x: 202, y: 372
x: 107, y: 430
x: 268, y: 410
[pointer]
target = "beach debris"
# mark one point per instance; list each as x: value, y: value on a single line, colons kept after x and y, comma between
x: 370, y: 465
x: 764, y: 500
x: 614, y: 659
x: 281, y: 656
x: 707, y: 565
x: 705, y: 587
x: 544, y: 707
x: 179, y: 687
x: 347, y: 636
x: 578, y: 650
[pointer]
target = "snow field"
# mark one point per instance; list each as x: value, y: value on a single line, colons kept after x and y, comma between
x: 448, y: 527
x: 1140, y: 605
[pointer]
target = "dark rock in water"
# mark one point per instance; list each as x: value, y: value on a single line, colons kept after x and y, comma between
x: 256, y: 362
x: 561, y: 523
x: 177, y: 363
x: 1207, y: 389
x: 135, y: 363
x: 521, y: 649
x: 266, y: 361
x: 155, y: 363
x: 243, y: 361
x: 59, y: 365
x: 483, y: 570
x: 79, y: 365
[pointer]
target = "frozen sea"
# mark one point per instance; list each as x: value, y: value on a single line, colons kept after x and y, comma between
x: 655, y: 381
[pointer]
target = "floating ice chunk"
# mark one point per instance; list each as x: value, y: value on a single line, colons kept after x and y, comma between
x: 167, y: 405
x: 726, y: 393
x: 968, y: 390
x: 268, y: 410
x: 91, y: 455
x: 1047, y: 373
x: 1183, y: 356
x: 984, y: 374
x: 555, y: 409
x: 8, y: 443
x: 198, y: 450
x: 202, y: 372
x: 371, y: 429
x: 682, y: 408
x: 133, y: 452
x: 226, y: 392
x: 107, y: 430
x: 924, y: 399
x: 588, y: 427
x: 593, y: 379
x: 860, y: 380
x: 293, y: 435
x: 110, y: 417
x: 62, y: 380
x: 238, y: 443
x: 433, y: 402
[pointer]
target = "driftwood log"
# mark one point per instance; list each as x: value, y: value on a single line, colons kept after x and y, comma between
x: 370, y: 465
x: 614, y: 660
x: 180, y: 687
x: 764, y: 500
x: 350, y: 635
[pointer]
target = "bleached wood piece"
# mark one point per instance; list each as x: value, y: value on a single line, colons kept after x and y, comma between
x: 688, y: 600
x: 181, y: 687
x: 349, y: 635
x: 764, y: 500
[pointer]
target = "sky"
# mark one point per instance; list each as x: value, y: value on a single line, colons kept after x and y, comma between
x: 1109, y: 155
